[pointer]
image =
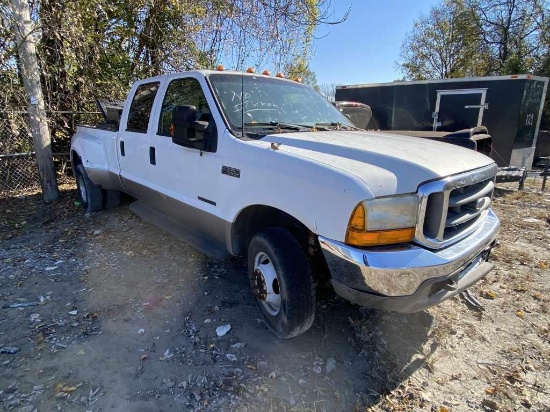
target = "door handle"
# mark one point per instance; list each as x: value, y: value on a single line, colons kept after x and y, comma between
x: 122, y: 148
x: 152, y: 158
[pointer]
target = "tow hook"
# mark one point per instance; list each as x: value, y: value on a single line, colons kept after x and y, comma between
x: 450, y: 285
x: 487, y: 252
x: 471, y: 301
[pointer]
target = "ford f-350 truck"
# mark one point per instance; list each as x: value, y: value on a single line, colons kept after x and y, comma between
x: 263, y: 167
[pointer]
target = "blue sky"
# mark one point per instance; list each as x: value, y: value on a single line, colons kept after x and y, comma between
x: 364, y: 48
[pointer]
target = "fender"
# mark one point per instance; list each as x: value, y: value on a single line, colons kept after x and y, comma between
x: 96, y: 149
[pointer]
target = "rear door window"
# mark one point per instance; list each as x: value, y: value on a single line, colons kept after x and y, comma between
x: 142, y: 104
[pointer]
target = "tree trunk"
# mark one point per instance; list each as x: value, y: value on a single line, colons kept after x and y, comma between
x: 37, y: 112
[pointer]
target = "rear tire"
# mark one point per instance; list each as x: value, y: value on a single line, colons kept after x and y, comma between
x: 281, y: 279
x: 111, y: 198
x: 90, y: 194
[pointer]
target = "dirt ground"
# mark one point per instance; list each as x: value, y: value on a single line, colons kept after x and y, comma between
x: 116, y: 315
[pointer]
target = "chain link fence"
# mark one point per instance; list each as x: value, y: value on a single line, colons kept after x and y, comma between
x: 18, y: 168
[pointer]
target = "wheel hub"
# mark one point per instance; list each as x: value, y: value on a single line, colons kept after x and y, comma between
x: 259, y: 287
x: 265, y: 283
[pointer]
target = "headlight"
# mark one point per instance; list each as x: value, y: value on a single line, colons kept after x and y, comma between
x: 383, y: 221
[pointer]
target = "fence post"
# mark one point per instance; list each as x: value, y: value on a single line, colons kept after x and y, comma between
x: 545, y: 174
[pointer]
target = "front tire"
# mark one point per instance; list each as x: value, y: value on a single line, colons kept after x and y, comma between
x: 90, y: 194
x: 281, y: 279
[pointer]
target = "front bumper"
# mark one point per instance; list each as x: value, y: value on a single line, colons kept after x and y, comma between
x: 409, y: 278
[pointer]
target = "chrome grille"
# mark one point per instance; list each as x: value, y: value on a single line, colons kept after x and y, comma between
x: 452, y: 208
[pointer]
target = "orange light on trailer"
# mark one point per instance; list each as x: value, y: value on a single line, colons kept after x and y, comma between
x: 220, y: 68
x: 280, y: 75
x: 514, y: 76
x: 266, y: 73
x: 250, y: 70
x: 298, y: 79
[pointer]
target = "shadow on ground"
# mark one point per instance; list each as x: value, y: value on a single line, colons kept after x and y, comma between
x: 154, y: 304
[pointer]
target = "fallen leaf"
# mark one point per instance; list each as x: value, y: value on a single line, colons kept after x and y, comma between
x: 40, y: 337
x: 526, y: 403
x: 490, y: 391
x: 64, y: 388
x: 250, y: 365
x: 143, y: 357
x: 487, y: 294
x: 520, y: 313
x: 543, y: 264
x: 537, y: 296
x: 520, y: 288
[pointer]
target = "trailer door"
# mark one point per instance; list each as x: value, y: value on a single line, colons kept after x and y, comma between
x: 459, y: 109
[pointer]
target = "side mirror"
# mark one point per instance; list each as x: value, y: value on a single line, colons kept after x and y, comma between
x: 188, y: 132
x: 182, y: 119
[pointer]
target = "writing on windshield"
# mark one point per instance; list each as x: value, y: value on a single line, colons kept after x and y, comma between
x: 245, y: 102
x: 253, y: 100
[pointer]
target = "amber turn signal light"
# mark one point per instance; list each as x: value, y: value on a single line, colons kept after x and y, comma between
x: 380, y: 237
x: 357, y: 219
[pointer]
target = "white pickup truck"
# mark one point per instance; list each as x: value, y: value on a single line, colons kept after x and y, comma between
x: 263, y: 167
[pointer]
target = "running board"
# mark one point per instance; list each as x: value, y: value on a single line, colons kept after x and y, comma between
x: 209, y: 247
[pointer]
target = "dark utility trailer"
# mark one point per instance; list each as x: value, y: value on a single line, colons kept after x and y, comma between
x: 509, y: 106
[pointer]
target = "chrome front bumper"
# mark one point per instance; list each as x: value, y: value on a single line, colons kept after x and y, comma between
x: 409, y: 278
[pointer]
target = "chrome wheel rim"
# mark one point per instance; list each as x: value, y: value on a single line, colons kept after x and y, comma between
x: 267, y: 283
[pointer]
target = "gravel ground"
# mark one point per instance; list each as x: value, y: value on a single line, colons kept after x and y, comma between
x: 114, y: 314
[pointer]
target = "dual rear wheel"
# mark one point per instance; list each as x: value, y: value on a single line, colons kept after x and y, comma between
x: 92, y: 197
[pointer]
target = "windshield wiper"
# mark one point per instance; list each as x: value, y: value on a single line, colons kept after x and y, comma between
x: 333, y: 126
x: 279, y: 125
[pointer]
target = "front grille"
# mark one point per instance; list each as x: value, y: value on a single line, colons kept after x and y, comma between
x: 452, y: 208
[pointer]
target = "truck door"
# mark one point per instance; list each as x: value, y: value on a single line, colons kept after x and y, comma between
x: 133, y: 141
x: 459, y: 109
x: 187, y: 176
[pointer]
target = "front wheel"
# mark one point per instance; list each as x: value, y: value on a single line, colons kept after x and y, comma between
x: 281, y: 279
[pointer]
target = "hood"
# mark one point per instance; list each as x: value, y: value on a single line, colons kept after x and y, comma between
x: 388, y: 164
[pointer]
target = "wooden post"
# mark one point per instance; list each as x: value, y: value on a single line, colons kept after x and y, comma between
x: 36, y: 108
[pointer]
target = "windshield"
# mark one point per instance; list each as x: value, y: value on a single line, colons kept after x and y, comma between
x: 260, y: 102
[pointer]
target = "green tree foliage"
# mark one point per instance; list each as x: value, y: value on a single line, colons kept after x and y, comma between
x: 300, y: 70
x: 92, y: 49
x: 510, y: 32
x: 442, y: 44
x: 476, y: 38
